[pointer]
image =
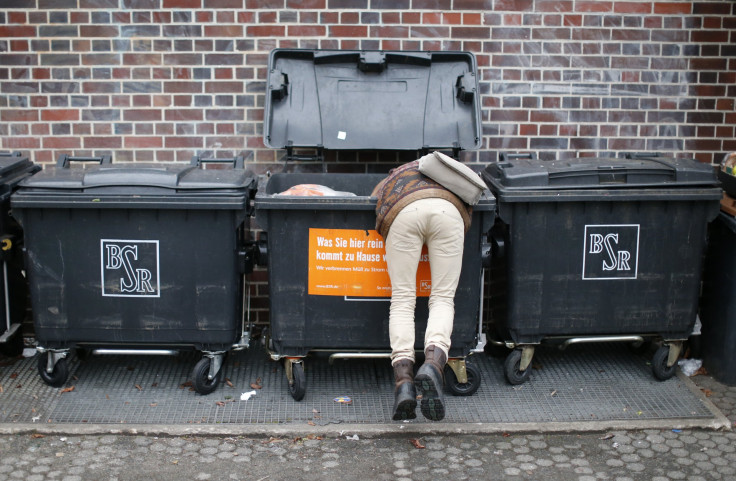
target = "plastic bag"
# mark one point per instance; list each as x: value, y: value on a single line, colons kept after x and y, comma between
x: 689, y: 366
x: 312, y: 190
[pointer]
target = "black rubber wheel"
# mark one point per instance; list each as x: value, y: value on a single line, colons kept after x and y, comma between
x: 511, y: 368
x: 14, y: 346
x: 298, y: 388
x: 202, y: 384
x: 58, y: 377
x: 465, y: 389
x: 659, y: 364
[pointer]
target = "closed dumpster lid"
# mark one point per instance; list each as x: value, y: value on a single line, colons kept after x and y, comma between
x: 105, y: 184
x: 13, y: 168
x: 529, y: 173
x: 372, y: 100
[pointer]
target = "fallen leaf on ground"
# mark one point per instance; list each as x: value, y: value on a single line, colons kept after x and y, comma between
x: 155, y: 384
x: 14, y: 375
x: 220, y: 403
x: 417, y: 444
x: 138, y: 387
x: 607, y: 436
x: 228, y: 382
x: 67, y: 389
x: 702, y: 371
x: 255, y: 386
x: 1, y: 388
x: 707, y: 392
x: 311, y: 423
x: 153, y: 405
x: 186, y: 384
x: 37, y: 435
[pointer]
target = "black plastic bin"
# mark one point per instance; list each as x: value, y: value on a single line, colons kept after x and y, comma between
x: 328, y: 287
x: 136, y: 258
x: 13, y: 288
x: 718, y: 303
x: 596, y: 249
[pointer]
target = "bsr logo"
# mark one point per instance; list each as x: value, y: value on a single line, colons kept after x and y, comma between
x: 138, y: 280
x: 129, y: 268
x: 617, y: 260
x: 611, y: 251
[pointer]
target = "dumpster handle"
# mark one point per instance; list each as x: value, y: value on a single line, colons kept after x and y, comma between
x: 64, y: 160
x: 237, y: 162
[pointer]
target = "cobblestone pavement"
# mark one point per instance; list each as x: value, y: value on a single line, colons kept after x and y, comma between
x: 657, y: 455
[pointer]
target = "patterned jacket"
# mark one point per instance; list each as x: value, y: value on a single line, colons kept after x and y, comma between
x: 404, y: 185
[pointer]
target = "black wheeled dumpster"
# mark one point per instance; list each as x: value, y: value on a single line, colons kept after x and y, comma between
x: 718, y: 303
x: 597, y: 249
x: 144, y: 259
x: 328, y: 284
x: 13, y: 289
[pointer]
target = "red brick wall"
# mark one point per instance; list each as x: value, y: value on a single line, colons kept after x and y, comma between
x: 161, y: 80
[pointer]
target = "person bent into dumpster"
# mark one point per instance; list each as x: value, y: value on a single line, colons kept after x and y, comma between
x: 412, y: 211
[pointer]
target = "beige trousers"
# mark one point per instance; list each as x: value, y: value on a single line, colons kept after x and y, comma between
x: 436, y: 223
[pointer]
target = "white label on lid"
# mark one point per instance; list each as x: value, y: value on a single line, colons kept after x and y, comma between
x: 342, y: 135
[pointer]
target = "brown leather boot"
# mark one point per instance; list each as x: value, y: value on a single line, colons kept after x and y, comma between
x: 430, y: 382
x: 405, y: 396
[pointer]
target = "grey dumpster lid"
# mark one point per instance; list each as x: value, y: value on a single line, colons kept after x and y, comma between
x: 371, y: 100
x: 14, y: 168
x: 152, y: 184
x: 598, y: 173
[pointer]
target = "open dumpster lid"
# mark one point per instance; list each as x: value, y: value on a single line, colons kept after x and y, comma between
x: 597, y: 173
x: 372, y: 100
x: 104, y: 184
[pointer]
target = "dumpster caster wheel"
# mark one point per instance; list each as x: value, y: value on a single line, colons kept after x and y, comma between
x: 58, y: 376
x: 659, y: 364
x: 465, y: 389
x: 202, y: 384
x: 298, y: 386
x: 511, y: 368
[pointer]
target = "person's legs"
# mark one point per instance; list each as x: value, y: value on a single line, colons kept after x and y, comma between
x: 403, y: 248
x: 444, y: 240
x: 444, y: 236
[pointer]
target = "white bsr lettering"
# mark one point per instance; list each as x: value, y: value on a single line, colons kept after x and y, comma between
x: 138, y: 280
x: 618, y: 260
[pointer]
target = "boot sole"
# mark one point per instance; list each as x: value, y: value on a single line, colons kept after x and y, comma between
x: 406, y: 409
x: 432, y: 406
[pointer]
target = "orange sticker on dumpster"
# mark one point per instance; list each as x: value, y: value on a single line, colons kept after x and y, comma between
x: 352, y: 263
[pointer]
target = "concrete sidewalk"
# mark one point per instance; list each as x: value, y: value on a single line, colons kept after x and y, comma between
x: 620, y: 454
x: 329, y: 441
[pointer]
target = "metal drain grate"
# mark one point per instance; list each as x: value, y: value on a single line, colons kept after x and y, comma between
x: 583, y: 383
